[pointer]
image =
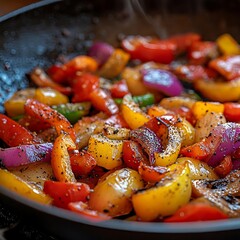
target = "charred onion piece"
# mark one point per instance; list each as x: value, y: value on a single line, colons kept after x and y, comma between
x: 230, y: 142
x: 224, y: 193
x: 148, y: 140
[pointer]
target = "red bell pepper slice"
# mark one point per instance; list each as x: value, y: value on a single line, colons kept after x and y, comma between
x: 202, y: 150
x: 83, y: 85
x: 41, y: 79
x: 102, y: 101
x: 184, y: 41
x: 64, y: 73
x: 33, y: 124
x: 49, y: 115
x: 132, y: 154
x: 225, y: 167
x: 228, y: 66
x: 117, y: 120
x: 149, y: 49
x: 13, y: 134
x: 232, y: 111
x: 119, y: 89
x: 57, y: 73
x: 200, y: 52
x: 191, y: 73
x: 151, y: 174
x: 92, y: 215
x: 193, y: 212
x: 64, y: 193
x: 82, y: 163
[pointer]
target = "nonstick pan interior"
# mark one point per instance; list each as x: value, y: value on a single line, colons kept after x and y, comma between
x: 62, y: 30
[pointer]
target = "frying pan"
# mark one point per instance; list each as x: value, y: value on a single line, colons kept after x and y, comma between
x: 62, y: 30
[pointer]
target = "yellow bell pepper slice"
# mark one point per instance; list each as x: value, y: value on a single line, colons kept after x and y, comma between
x: 134, y: 81
x: 16, y: 184
x: 107, y: 152
x: 60, y: 161
x: 166, y: 197
x: 115, y: 64
x: 198, y: 169
x: 14, y: 106
x: 132, y: 114
x: 176, y: 102
x: 200, y: 108
x: 228, y: 45
x: 112, y: 194
x: 219, y: 91
x: 50, y: 96
x: 170, y: 154
x: 187, y: 132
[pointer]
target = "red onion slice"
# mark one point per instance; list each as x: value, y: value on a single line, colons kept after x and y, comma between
x: 101, y: 52
x: 163, y: 81
x: 230, y: 142
x: 148, y: 140
x: 25, y: 154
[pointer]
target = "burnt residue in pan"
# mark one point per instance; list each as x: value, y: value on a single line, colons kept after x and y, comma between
x: 63, y: 30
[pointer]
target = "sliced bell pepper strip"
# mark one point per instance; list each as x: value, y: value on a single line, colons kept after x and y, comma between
x: 13, y: 134
x: 119, y: 89
x: 16, y: 184
x: 41, y: 79
x: 196, y: 211
x: 107, y: 152
x: 83, y: 85
x: 132, y: 154
x: 228, y: 66
x: 165, y: 197
x: 204, y: 149
x: 232, y: 112
x: 82, y: 163
x: 172, y: 149
x: 151, y: 174
x: 200, y: 52
x: 184, y: 41
x: 149, y: 49
x: 14, y: 106
x: 228, y: 45
x: 116, y: 120
x: 200, y: 108
x: 219, y: 91
x: 80, y: 63
x: 51, y: 116
x: 132, y: 114
x: 143, y: 100
x: 73, y: 111
x: 83, y: 209
x: 64, y: 73
x: 191, y: 73
x: 60, y: 161
x: 103, y: 101
x: 50, y: 96
x: 115, y: 64
x: 225, y: 167
x: 33, y: 124
x: 65, y: 193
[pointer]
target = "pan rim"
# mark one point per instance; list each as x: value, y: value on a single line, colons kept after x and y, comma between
x: 121, y: 225
x: 27, y: 8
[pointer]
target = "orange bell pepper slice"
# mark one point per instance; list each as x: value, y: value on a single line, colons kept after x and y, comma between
x: 60, y: 161
x: 49, y: 115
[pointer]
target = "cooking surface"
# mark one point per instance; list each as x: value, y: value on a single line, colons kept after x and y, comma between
x: 12, y: 227
x: 61, y: 31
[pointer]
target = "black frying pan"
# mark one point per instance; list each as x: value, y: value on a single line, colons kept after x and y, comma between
x: 62, y: 30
